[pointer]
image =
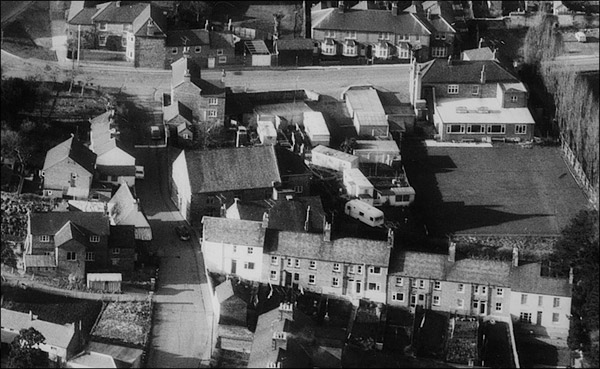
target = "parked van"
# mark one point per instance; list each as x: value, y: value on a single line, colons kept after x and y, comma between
x: 364, y: 212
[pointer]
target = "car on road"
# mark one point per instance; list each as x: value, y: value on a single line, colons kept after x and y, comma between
x: 182, y: 232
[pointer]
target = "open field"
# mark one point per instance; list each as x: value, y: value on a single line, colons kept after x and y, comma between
x: 502, y: 190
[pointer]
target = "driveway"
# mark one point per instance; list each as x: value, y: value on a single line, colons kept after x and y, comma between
x: 181, y: 333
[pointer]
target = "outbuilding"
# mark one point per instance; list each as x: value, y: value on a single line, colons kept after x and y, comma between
x: 106, y: 282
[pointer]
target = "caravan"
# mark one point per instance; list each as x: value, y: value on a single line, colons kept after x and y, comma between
x: 364, y: 212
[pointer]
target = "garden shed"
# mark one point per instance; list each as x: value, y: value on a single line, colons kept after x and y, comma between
x: 107, y: 282
x: 259, y: 53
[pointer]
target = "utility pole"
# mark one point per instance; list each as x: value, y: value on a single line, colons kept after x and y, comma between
x: 78, y: 42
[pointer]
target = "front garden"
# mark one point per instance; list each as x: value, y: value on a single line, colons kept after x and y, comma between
x: 126, y: 323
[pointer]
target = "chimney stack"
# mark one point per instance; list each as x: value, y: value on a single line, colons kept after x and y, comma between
x: 118, y: 4
x: 229, y: 25
x: 223, y: 212
x: 30, y: 315
x: 571, y: 275
x: 480, y: 43
x: 452, y: 252
x: 327, y: 232
x: 429, y: 14
x: 307, y: 221
x: 482, y: 79
x: 187, y: 77
x: 390, y: 237
x: 395, y: 10
x: 515, y: 256
x: 265, y: 220
x: 450, y: 60
x: 494, y: 54
x: 206, y: 25
x: 341, y: 7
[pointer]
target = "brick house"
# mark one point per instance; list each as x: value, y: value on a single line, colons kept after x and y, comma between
x: 381, y: 34
x: 205, y: 99
x: 68, y: 170
x: 202, y: 181
x: 293, y: 171
x: 121, y: 252
x: 61, y: 244
x: 208, y: 49
x: 146, y: 39
x: 474, y: 100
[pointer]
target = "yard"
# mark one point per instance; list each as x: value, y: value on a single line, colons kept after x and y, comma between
x: 124, y: 322
x: 28, y: 35
x: 504, y: 190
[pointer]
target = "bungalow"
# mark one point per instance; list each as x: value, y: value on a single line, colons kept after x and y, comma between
x: 201, y: 181
x: 63, y: 341
x: 68, y: 170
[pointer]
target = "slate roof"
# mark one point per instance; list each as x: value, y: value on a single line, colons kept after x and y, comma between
x: 262, y: 352
x: 295, y: 44
x: 344, y: 250
x: 74, y: 149
x: 528, y: 278
x: 188, y: 37
x: 173, y: 110
x: 69, y: 232
x: 84, y: 17
x: 221, y: 40
x: 479, y: 271
x: 178, y: 71
x: 232, y: 169
x: 289, y: 163
x: 370, y: 20
x: 483, y: 53
x: 122, y: 236
x: 159, y: 23
x: 50, y: 223
x: 233, y: 231
x: 419, y: 265
x: 116, y: 170
x: 122, y: 14
x: 464, y: 71
x: 56, y: 334
x: 248, y: 210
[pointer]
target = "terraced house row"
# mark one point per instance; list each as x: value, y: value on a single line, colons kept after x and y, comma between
x: 311, y: 259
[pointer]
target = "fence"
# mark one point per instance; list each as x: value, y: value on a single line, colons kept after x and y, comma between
x: 579, y: 174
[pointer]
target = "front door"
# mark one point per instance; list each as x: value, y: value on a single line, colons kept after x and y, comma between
x: 233, y: 266
x: 288, y: 279
x: 482, y: 306
x: 539, y: 318
x: 357, y: 286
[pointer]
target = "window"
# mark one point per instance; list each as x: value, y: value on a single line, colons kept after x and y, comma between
x: 498, y: 306
x: 297, y: 263
x: 540, y: 300
x: 496, y: 128
x: 374, y: 270
x: 329, y: 33
x: 443, y: 36
x: 89, y: 256
x: 274, y: 260
x: 455, y: 128
x: 124, y: 41
x: 514, y: 98
x: 174, y: 51
x: 311, y: 279
x: 71, y: 256
x: 437, y: 36
x: 336, y: 267
x: 399, y: 281
x: 460, y: 303
x: 131, y: 38
x: 116, y: 251
x: 198, y: 49
x: 483, y: 290
x: 475, y: 304
x: 312, y: 264
x: 296, y: 277
x: 130, y: 54
x: 351, y: 35
x: 250, y: 250
x: 555, y: 317
x: 248, y: 265
x: 381, y: 52
x: 475, y: 90
x: 499, y: 291
x: 359, y: 269
x: 475, y: 128
x: 398, y: 296
x: 210, y: 200
x: 475, y: 289
x: 335, y: 282
x: 453, y: 89
x: 44, y: 238
x: 212, y: 113
x: 556, y: 302
x: 421, y: 283
x: 361, y: 213
x: 219, y: 51
x: 436, y: 300
x: 402, y: 198
x: 438, y: 52
x: 102, y: 40
x: 234, y: 249
x: 403, y: 37
x: 523, y: 299
x: 403, y: 51
x: 374, y: 287
x: 274, y: 274
x: 384, y: 36
x: 437, y: 285
x: 461, y: 287
x: 94, y: 238
x: 414, y: 283
x: 521, y: 129
x: 298, y: 189
x: 186, y: 49
x: 289, y: 262
x: 413, y: 300
x: 213, y: 101
x: 103, y: 27
x: 525, y: 317
x: 222, y: 59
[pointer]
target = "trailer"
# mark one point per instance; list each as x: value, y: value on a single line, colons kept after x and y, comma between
x: 364, y: 212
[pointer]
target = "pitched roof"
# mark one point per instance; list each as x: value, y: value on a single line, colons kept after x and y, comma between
x: 121, y: 353
x: 295, y: 44
x: 56, y: 334
x: 91, y: 359
x: 150, y: 23
x: 262, y: 352
x: 173, y: 110
x: 418, y: 265
x: 73, y: 149
x: 232, y: 169
x: 50, y: 223
x: 36, y: 261
x: 290, y: 215
x: 180, y: 67
x: 233, y: 231
x: 528, y: 278
x: 479, y: 271
x: 83, y: 17
x: 344, y: 250
x: 120, y: 14
x: 188, y: 37
x: 464, y: 71
x: 116, y: 170
x: 370, y: 20
x: 289, y: 163
x: 70, y: 232
x: 124, y: 209
x: 221, y: 40
x: 482, y: 53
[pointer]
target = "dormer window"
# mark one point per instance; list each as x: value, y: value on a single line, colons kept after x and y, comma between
x: 94, y: 238
x: 44, y: 238
x: 103, y: 26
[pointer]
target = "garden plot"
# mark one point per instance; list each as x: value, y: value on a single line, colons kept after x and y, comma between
x: 124, y: 322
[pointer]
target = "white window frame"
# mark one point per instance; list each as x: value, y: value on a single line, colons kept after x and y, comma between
x: 312, y: 265
x: 274, y: 260
x: 460, y: 130
x: 521, y: 129
x: 500, y: 292
x: 335, y: 282
x: 525, y: 317
x: 94, y: 238
x: 524, y: 299
x: 359, y: 269
x: 399, y: 281
x: 413, y: 283
x: 436, y: 300
x: 297, y: 263
x: 404, y: 37
x: 212, y: 113
x: 350, y: 50
x: 90, y: 256
x: 483, y: 290
x: 103, y: 26
x: 460, y: 303
x: 514, y: 98
x: 222, y: 59
x: 44, y: 238
x: 453, y: 89
x: 439, y: 52
x: 273, y: 275
x: 351, y: 35
x: 198, y: 49
x: 130, y: 54
x: 250, y: 250
x: 102, y: 40
x: 381, y: 52
x: 475, y: 90
x: 289, y: 262
x: 213, y: 101
x: 498, y: 306
x: 470, y: 128
x: 556, y: 302
x: 557, y: 316
x: 461, y: 288
x: 372, y: 270
x: 502, y: 130
x: 328, y: 49
x: 329, y: 33
x: 298, y: 189
x: 403, y: 51
x: 384, y: 36
x: 437, y: 285
x: 219, y: 52
x: 376, y: 285
x: 311, y: 279
x: 337, y: 267
x: 71, y: 256
x: 396, y: 295
x: 116, y: 251
x: 174, y: 50
x: 249, y: 265
x: 421, y: 283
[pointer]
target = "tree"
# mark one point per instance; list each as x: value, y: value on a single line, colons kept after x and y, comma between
x: 14, y: 144
x: 25, y: 351
x: 542, y: 42
x: 348, y: 145
x: 198, y: 9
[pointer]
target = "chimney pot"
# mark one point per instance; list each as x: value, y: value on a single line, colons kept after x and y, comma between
x: 483, y: 76
x: 449, y: 59
x: 307, y: 221
x: 515, y: 257
x: 327, y: 232
x: 571, y: 275
x: 341, y: 6
x: 265, y: 220
x: 452, y: 252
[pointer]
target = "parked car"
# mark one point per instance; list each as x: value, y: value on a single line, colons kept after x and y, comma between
x: 182, y: 232
x: 155, y: 133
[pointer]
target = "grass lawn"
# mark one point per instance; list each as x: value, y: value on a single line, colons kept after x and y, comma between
x: 52, y: 308
x: 504, y: 190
